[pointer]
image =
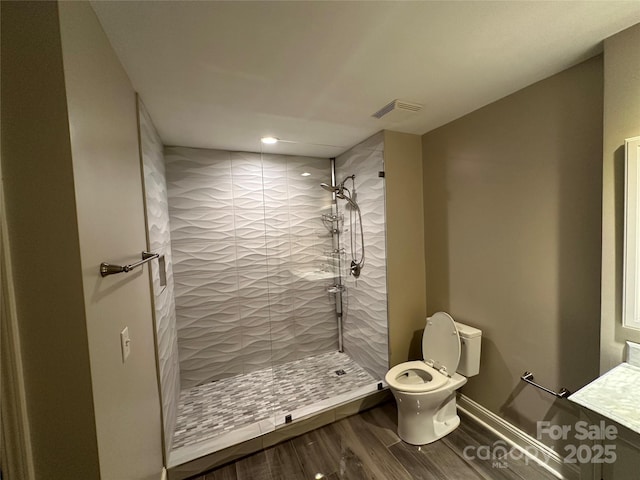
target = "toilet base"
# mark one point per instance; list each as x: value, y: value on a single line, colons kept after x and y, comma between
x: 440, y: 429
x: 423, y: 420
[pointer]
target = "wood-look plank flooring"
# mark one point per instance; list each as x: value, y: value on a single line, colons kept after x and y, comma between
x: 366, y: 446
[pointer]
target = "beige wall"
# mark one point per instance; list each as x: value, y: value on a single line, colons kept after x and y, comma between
x: 621, y: 120
x: 405, y: 245
x: 72, y: 182
x: 45, y: 250
x: 512, y: 238
x: 111, y: 226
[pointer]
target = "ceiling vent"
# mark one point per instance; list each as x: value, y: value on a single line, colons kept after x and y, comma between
x: 397, y: 107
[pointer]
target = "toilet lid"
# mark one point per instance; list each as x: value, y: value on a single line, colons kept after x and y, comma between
x: 441, y: 342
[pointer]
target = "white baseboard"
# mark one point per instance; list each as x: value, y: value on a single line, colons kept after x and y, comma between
x: 535, y: 450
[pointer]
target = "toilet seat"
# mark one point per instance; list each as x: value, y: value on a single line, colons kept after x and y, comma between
x: 441, y: 353
x: 397, y: 374
x: 441, y: 343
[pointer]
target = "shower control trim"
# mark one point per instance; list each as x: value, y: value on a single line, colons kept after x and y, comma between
x: 355, y: 268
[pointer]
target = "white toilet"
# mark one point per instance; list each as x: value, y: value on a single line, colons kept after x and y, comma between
x: 425, y: 391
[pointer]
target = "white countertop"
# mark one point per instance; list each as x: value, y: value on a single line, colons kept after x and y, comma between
x: 614, y: 395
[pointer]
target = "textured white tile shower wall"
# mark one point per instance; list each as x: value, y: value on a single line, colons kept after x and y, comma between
x: 247, y: 238
x: 160, y: 242
x: 365, y: 324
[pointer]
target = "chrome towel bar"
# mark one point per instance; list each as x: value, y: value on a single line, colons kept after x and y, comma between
x: 528, y: 377
x: 108, y: 269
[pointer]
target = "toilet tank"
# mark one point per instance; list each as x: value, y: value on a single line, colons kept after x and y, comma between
x: 470, y: 337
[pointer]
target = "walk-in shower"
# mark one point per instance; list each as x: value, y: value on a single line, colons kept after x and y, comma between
x: 250, y: 334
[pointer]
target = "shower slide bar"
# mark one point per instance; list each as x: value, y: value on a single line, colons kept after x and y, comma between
x: 528, y: 377
x: 108, y: 269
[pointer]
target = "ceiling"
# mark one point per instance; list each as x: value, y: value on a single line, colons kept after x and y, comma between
x: 223, y: 74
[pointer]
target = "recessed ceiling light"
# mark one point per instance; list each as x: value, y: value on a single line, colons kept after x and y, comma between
x: 269, y: 140
x: 305, y: 174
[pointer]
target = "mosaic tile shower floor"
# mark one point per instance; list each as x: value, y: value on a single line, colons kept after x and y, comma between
x: 220, y: 407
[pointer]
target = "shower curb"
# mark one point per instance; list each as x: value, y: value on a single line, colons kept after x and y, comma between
x: 281, y: 434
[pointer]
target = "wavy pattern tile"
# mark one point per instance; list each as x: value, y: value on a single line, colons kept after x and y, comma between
x: 244, y: 227
x: 365, y: 300
x: 160, y: 241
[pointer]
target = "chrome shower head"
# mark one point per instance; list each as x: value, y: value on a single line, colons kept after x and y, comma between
x: 330, y: 188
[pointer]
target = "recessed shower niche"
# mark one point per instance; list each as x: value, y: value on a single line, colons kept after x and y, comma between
x: 262, y: 321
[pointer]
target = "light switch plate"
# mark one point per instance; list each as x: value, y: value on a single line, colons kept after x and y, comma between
x: 125, y: 342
